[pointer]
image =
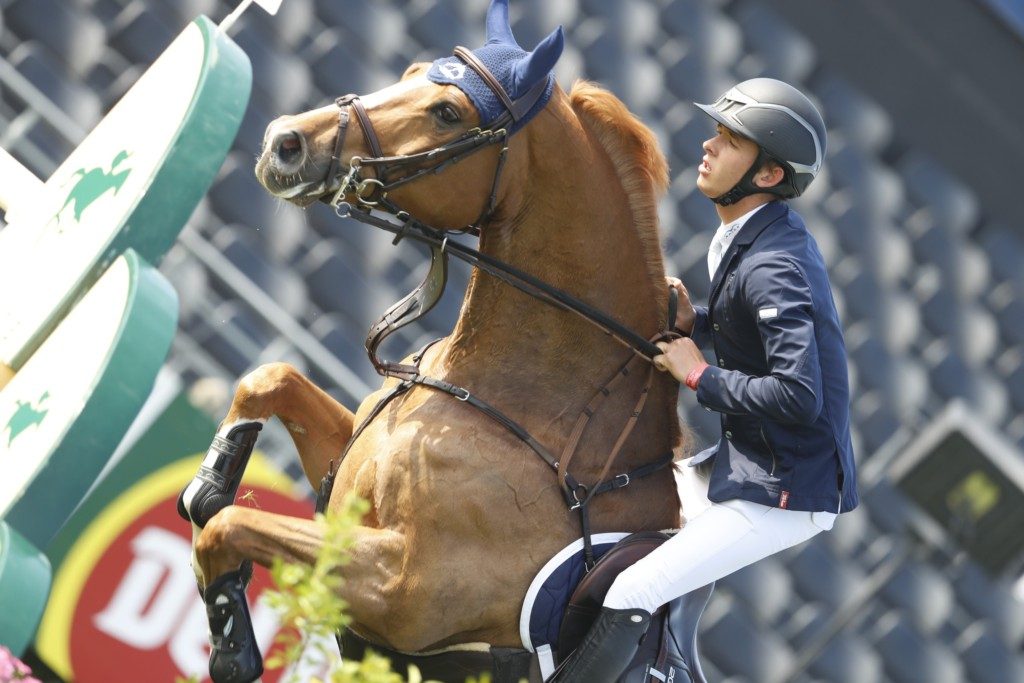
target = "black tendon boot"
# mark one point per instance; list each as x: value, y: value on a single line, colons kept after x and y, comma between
x: 607, y: 649
x: 214, y: 486
x: 234, y: 655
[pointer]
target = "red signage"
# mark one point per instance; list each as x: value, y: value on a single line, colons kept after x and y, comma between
x: 125, y: 599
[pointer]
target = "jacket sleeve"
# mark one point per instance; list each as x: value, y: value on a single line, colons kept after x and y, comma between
x: 775, y: 293
x: 700, y: 335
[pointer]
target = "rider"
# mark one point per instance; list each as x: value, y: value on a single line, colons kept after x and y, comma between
x: 784, y: 467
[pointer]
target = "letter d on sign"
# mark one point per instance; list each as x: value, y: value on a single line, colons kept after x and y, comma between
x: 158, y: 578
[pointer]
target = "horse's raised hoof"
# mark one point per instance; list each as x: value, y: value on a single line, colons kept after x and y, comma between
x: 214, y: 486
x: 234, y: 655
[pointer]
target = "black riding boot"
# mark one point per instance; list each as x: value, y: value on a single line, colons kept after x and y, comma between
x: 214, y: 486
x: 607, y: 649
x: 234, y: 654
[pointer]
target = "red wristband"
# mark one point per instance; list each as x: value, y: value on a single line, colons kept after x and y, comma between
x: 693, y: 378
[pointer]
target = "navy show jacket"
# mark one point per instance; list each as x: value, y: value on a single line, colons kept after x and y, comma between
x: 780, y: 382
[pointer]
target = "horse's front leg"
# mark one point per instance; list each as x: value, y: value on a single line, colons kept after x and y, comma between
x: 237, y: 534
x: 319, y: 426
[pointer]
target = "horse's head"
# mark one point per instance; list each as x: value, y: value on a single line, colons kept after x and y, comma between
x: 399, y: 144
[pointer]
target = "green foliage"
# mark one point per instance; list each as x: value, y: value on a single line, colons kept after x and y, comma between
x: 307, y: 595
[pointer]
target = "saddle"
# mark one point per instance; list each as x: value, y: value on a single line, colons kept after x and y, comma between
x: 668, y: 652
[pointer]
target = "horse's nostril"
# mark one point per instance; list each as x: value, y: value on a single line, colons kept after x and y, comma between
x: 288, y: 148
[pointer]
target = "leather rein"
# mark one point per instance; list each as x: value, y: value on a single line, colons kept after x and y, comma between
x: 371, y: 194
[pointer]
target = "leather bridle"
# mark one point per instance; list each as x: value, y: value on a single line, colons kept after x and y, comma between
x: 392, y: 172
x: 371, y: 194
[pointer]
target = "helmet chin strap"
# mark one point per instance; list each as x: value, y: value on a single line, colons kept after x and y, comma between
x: 746, y: 187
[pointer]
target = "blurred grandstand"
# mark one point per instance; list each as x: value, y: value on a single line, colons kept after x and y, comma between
x: 928, y: 278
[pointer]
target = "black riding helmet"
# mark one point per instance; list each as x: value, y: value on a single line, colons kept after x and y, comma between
x: 786, y: 127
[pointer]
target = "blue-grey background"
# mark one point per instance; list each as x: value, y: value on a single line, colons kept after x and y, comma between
x: 917, y: 213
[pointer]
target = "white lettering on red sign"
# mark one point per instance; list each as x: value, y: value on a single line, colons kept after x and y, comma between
x: 156, y: 604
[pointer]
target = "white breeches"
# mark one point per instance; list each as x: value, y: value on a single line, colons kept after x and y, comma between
x: 721, y: 539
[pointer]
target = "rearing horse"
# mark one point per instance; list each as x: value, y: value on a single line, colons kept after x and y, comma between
x: 462, y: 512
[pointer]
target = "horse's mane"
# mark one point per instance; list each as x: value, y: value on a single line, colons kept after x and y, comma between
x: 637, y: 158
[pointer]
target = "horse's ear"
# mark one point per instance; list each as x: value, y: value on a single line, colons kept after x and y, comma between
x: 535, y: 66
x: 499, y: 29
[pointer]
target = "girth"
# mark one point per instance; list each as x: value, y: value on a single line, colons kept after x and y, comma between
x: 504, y: 664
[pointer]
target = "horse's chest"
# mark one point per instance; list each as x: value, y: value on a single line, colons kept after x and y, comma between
x: 458, y: 472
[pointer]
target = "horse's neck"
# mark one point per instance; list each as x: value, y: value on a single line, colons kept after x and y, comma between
x: 573, y: 229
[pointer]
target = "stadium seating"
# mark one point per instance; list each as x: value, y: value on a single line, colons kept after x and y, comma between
x: 67, y: 30
x: 910, y: 657
x: 237, y: 198
x: 764, y: 656
x: 180, y: 12
x: 290, y: 29
x: 781, y: 52
x: 190, y: 282
x: 861, y: 121
x: 336, y: 283
x: 282, y: 82
x: 38, y: 65
x: 338, y: 68
x: 952, y: 204
x: 233, y: 335
x: 284, y: 286
x: 930, y: 289
x: 992, y: 603
x: 345, y: 340
x: 819, y: 576
x: 922, y: 594
x: 139, y: 33
x: 848, y: 659
x: 985, y: 657
x: 765, y: 587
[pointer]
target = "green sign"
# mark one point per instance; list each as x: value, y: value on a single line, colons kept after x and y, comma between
x: 85, y: 320
x: 69, y: 405
x: 25, y: 416
x: 24, y: 586
x: 132, y: 183
x: 92, y: 184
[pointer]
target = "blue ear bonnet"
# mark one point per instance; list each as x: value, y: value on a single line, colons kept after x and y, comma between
x: 499, y: 59
x: 513, y: 67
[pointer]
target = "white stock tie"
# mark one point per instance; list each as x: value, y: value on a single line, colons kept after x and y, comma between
x: 719, y: 244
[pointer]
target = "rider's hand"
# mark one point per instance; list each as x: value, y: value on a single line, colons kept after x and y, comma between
x: 685, y: 315
x: 679, y: 357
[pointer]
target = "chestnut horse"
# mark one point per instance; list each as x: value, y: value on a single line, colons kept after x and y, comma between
x: 463, y: 514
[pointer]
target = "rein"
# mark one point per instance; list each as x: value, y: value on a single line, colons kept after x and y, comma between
x: 371, y: 193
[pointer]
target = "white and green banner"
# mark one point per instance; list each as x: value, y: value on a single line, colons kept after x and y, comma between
x: 132, y: 183
x: 65, y: 411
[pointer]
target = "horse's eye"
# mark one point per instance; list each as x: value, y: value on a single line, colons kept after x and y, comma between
x: 447, y: 113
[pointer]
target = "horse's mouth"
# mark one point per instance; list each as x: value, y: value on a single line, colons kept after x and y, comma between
x: 302, y: 193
